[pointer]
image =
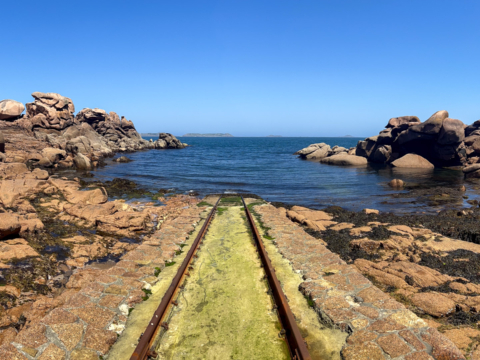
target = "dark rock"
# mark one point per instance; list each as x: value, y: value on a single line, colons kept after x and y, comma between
x: 382, y: 154
x: 452, y: 132
x: 365, y: 148
x: 123, y: 159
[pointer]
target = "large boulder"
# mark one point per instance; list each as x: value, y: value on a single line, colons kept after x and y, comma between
x: 452, y: 132
x: 403, y: 120
x: 366, y: 147
x: 385, y: 137
x: 345, y: 160
x: 382, y: 154
x: 433, y: 125
x: 82, y: 162
x: 10, y: 109
x: 413, y: 161
x: 91, y: 116
x: 50, y: 111
x: 309, y: 149
x: 168, y: 141
x: 54, y: 155
x: 319, y: 153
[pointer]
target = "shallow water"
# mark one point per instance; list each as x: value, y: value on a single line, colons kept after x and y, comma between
x: 266, y: 167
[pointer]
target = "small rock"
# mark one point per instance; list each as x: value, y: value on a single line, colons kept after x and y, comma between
x: 123, y: 159
x: 396, y: 183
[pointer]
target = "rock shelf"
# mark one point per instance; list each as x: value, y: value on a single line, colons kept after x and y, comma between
x: 379, y: 327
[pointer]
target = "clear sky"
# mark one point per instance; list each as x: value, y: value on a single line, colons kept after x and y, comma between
x: 250, y: 68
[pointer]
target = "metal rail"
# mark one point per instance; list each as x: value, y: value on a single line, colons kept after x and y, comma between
x: 296, y: 344
x: 298, y: 348
x: 143, y: 351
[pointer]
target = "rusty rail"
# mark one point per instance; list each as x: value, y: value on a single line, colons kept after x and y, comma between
x: 143, y: 350
x: 296, y: 344
x: 298, y: 348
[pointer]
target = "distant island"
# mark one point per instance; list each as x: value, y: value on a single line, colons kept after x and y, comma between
x: 207, y: 135
x: 274, y: 136
x: 347, y: 136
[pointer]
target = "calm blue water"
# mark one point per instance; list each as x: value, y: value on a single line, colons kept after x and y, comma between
x: 266, y: 167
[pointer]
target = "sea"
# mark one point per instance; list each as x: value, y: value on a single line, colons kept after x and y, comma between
x: 266, y: 166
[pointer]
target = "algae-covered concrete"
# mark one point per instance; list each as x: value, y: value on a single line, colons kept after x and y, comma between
x: 324, y: 343
x: 224, y: 310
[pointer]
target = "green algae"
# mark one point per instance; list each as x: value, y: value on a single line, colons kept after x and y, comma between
x: 324, y: 342
x: 140, y: 316
x: 224, y: 311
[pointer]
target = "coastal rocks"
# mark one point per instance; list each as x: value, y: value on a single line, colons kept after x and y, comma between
x: 396, y: 184
x: 434, y: 304
x: 10, y: 109
x: 168, y: 141
x: 413, y: 161
x: 472, y: 171
x: 382, y: 154
x: 123, y: 159
x: 16, y: 249
x: 50, y: 123
x: 366, y: 147
x: 314, y: 151
x: 440, y: 140
x: 82, y: 162
x: 9, y: 225
x: 49, y: 111
x: 403, y: 120
x: 319, y: 153
x: 345, y: 160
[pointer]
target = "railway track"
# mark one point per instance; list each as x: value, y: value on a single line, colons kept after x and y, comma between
x: 148, y: 342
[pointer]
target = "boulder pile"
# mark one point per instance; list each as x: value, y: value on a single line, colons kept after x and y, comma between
x: 64, y: 140
x: 336, y: 155
x: 407, y: 142
x: 439, y: 140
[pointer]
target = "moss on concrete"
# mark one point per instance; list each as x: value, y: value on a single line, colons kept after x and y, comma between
x: 224, y: 311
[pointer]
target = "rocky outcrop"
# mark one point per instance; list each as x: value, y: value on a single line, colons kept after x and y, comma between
x: 168, y: 141
x: 49, y: 111
x: 323, y: 152
x: 80, y: 141
x: 440, y: 140
x: 10, y: 109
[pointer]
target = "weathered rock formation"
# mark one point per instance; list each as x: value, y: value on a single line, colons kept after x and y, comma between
x: 336, y: 155
x: 66, y: 140
x: 49, y: 111
x: 440, y: 141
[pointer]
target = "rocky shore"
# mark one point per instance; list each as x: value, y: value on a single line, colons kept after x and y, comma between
x: 428, y: 263
x: 406, y: 142
x: 50, y: 135
x: 55, y: 230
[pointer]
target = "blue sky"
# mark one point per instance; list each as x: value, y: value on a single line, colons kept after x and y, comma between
x: 251, y: 68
